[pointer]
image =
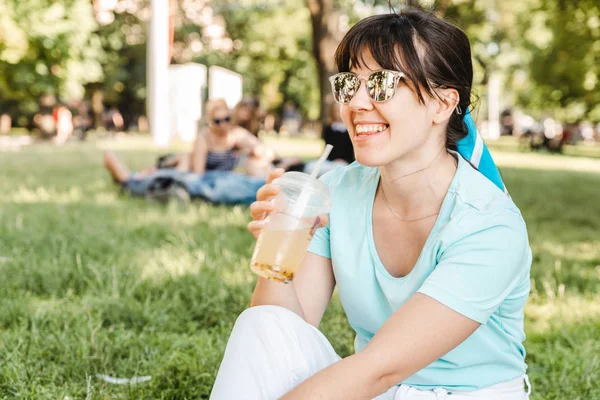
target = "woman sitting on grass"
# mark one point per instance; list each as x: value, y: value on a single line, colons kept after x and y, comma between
x: 430, y: 258
x: 223, y: 146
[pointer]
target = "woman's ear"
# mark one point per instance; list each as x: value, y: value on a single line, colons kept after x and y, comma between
x: 448, y: 100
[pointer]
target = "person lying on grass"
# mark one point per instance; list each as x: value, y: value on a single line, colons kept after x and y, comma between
x: 208, y: 171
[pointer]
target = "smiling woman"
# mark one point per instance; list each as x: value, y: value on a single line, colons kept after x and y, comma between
x: 430, y: 257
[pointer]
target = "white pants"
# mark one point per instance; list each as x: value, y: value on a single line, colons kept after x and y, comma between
x: 271, y: 350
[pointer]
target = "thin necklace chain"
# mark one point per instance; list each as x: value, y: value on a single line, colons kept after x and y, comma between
x: 406, y: 219
x: 422, y: 169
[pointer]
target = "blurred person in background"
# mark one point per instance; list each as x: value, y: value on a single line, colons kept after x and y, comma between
x: 82, y: 118
x: 44, y: 119
x: 162, y: 184
x: 554, y: 135
x: 113, y: 120
x: 220, y: 146
x: 63, y: 119
x: 587, y: 132
x: 507, y: 122
x: 291, y: 120
x: 336, y: 134
x: 224, y: 146
x: 227, y: 163
x: 249, y: 115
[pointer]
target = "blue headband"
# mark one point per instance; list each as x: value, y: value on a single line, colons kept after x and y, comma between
x: 474, y: 150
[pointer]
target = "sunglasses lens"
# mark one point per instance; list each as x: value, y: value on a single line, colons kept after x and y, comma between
x: 381, y: 85
x: 222, y: 120
x: 344, y: 87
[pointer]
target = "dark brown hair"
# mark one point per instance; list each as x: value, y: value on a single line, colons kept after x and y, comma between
x: 431, y: 52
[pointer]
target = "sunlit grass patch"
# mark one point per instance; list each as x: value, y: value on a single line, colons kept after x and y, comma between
x: 582, y: 251
x: 169, y: 261
x: 544, y: 314
x: 40, y: 194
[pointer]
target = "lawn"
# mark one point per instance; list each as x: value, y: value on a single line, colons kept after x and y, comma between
x: 95, y: 283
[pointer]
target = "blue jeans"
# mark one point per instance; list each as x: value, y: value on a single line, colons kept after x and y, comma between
x: 223, y: 187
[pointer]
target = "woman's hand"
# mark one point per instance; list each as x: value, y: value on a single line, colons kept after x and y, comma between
x: 263, y: 206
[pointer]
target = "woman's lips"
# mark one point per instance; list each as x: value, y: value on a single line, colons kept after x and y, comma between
x: 363, y: 134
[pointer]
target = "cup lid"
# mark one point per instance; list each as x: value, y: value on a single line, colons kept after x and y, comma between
x: 294, y: 183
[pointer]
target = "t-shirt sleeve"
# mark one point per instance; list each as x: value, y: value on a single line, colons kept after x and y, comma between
x: 320, y: 244
x: 479, y: 269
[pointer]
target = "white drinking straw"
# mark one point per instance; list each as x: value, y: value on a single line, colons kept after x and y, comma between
x: 323, y: 157
x: 303, y: 197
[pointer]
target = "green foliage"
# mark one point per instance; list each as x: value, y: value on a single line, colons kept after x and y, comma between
x: 562, y: 39
x: 95, y: 283
x: 124, y: 62
x: 546, y: 51
x: 275, y: 57
x: 46, y: 47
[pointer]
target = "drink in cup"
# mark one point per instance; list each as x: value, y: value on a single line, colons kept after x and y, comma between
x: 288, y: 231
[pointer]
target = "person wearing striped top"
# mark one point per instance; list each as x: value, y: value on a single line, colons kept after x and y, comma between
x: 222, y: 145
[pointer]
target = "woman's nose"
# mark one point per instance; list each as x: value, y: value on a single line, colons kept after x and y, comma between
x: 361, y: 100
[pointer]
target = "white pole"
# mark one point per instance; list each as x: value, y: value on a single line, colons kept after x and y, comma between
x: 157, y: 61
x: 494, y: 106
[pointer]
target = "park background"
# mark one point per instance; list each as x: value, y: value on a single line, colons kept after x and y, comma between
x: 95, y: 284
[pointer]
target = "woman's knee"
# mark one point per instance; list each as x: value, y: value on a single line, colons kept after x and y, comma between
x: 265, y: 319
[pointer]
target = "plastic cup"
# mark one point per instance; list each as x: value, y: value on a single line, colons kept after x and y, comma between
x: 288, y: 230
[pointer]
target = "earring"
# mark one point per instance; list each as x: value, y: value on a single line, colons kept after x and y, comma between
x: 458, y: 110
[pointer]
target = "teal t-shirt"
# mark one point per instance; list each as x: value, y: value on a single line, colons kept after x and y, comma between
x: 476, y: 261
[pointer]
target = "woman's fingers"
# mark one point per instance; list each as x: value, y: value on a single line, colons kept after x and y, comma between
x: 276, y: 173
x: 263, y: 206
x: 255, y: 227
x: 267, y: 191
x: 260, y: 209
x: 323, y: 220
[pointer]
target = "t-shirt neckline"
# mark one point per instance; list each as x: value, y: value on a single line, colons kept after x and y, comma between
x: 436, y: 226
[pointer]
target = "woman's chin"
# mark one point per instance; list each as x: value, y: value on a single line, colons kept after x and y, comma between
x: 369, y: 159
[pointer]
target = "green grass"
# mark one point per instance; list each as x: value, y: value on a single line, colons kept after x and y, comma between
x: 513, y: 144
x: 95, y: 283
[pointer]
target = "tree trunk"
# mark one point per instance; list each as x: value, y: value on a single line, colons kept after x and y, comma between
x: 325, y: 39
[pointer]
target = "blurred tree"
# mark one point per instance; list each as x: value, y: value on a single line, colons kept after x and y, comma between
x: 561, y: 39
x: 271, y: 47
x: 325, y: 38
x: 547, y: 51
x: 46, y: 47
x: 122, y: 36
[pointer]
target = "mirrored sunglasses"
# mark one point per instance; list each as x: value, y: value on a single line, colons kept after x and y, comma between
x: 381, y: 85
